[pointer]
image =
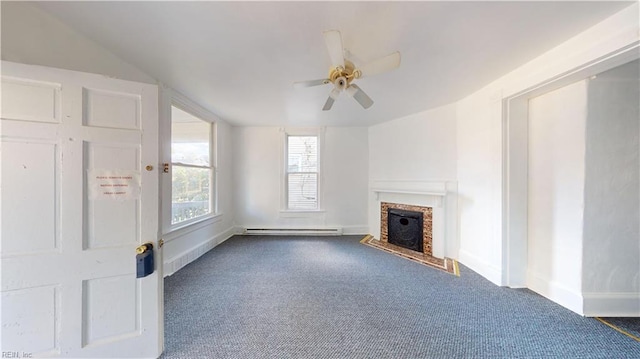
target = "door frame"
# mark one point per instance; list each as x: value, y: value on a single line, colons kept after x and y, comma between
x: 515, y: 138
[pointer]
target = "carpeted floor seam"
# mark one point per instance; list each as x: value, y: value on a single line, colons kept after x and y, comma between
x: 616, y: 328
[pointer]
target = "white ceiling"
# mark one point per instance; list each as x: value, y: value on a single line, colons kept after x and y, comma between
x: 239, y: 59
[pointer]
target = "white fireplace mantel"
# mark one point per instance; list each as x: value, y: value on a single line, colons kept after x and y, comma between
x: 433, y: 197
x: 377, y: 191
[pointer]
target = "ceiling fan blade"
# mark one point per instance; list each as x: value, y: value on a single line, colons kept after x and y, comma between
x: 328, y: 104
x: 333, y: 96
x: 310, y: 83
x: 381, y: 65
x: 359, y: 95
x: 333, y: 39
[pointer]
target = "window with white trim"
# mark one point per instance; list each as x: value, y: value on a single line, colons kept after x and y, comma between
x: 302, y: 172
x: 191, y: 166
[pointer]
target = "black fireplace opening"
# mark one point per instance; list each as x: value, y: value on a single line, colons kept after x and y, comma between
x: 405, y: 229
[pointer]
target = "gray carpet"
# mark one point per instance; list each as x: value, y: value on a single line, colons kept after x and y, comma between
x: 332, y: 297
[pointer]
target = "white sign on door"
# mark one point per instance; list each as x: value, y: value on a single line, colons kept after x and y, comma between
x: 113, y: 184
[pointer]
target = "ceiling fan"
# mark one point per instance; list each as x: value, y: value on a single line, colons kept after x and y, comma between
x: 343, y: 72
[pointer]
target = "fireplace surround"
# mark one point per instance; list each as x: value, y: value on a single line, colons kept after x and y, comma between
x: 427, y: 224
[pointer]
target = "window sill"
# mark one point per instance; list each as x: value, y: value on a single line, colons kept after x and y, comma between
x: 181, y: 229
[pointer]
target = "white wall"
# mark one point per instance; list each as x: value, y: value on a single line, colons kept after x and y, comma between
x: 258, y: 159
x: 346, y: 177
x: 480, y: 182
x: 612, y: 193
x: 419, y: 147
x: 556, y: 193
x: 31, y: 36
x: 480, y: 135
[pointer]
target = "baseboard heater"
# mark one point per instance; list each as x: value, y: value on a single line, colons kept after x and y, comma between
x: 295, y: 231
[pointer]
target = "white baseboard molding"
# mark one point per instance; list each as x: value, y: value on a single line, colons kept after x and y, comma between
x: 556, y: 292
x: 292, y: 231
x: 176, y: 263
x: 355, y: 230
x: 612, y: 304
x: 480, y: 266
x: 301, y: 231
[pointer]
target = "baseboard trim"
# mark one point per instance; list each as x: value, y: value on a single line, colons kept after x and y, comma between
x: 556, y: 292
x: 293, y: 231
x: 480, y: 266
x: 625, y: 304
x: 176, y: 263
x: 355, y: 230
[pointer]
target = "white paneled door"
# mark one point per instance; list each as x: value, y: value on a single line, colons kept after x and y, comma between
x: 79, y: 190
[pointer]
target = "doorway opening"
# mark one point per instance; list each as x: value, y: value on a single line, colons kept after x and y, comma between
x: 516, y: 160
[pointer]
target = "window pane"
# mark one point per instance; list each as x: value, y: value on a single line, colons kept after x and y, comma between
x: 302, y: 154
x: 190, y: 138
x: 190, y: 193
x: 303, y: 190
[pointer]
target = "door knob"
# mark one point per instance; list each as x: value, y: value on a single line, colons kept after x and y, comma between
x: 144, y: 247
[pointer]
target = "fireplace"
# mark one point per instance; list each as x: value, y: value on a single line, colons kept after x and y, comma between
x: 420, y: 215
x: 405, y: 229
x: 408, y: 226
x: 436, y: 200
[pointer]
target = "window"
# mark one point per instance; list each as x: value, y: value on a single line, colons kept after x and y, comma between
x: 302, y: 172
x: 191, y: 165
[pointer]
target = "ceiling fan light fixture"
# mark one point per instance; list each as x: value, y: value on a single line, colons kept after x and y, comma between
x: 341, y: 83
x: 334, y: 94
